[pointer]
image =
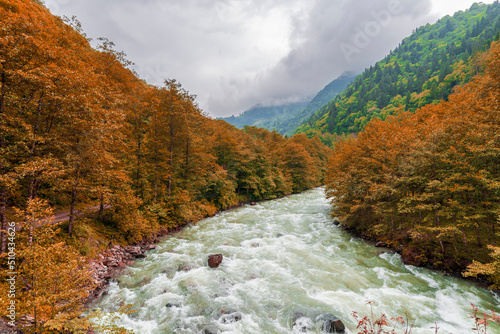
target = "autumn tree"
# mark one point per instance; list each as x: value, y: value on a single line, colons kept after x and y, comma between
x: 427, y: 182
x: 52, y: 280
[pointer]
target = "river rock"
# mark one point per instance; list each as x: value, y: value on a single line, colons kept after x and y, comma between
x: 303, y: 325
x: 296, y: 315
x: 330, y: 323
x: 169, y: 305
x: 210, y: 329
x: 214, y: 260
x: 230, y: 318
x: 336, y: 222
x: 380, y: 244
x: 134, y: 250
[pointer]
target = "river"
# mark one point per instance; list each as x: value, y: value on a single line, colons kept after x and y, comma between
x: 283, y: 259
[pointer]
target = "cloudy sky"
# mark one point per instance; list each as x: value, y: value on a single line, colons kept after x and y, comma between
x: 234, y: 54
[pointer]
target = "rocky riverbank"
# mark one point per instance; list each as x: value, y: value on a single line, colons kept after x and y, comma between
x: 111, y: 261
x: 114, y: 259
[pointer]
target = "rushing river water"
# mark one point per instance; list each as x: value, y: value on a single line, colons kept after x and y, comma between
x: 283, y: 257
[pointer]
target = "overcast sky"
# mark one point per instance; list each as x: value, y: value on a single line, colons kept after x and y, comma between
x: 234, y: 54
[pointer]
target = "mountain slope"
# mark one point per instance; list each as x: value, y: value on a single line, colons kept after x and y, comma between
x: 423, y: 69
x: 271, y: 117
x: 321, y: 99
x: 286, y: 118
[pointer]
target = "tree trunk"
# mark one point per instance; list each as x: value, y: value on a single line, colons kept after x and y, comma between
x: 139, y: 157
x: 72, y: 211
x: 33, y: 182
x: 156, y: 159
x: 438, y: 223
x: 493, y: 222
x: 171, y: 163
x: 186, y: 169
x: 74, y: 193
x: 455, y: 242
x: 34, y: 301
x: 479, y: 242
x: 36, y: 125
x: 101, y: 206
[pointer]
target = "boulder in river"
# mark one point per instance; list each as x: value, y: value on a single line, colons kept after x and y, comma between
x: 214, y: 260
x: 336, y: 222
x: 169, y: 305
x: 330, y: 323
x: 303, y: 325
x: 230, y: 318
x: 210, y: 329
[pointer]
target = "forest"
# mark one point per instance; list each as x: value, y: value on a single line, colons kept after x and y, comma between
x: 427, y: 183
x: 415, y: 161
x: 79, y: 129
x: 423, y: 69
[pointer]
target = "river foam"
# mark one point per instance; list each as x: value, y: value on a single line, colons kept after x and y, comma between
x: 282, y: 258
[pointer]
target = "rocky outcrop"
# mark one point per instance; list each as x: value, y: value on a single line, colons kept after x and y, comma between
x: 113, y: 259
x: 214, y: 260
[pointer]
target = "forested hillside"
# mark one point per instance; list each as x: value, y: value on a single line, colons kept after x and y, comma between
x: 286, y: 118
x: 428, y: 183
x: 77, y: 128
x: 423, y: 69
x: 270, y: 117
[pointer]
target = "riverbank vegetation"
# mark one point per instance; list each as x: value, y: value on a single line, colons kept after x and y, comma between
x: 370, y: 324
x: 78, y: 128
x: 427, y: 183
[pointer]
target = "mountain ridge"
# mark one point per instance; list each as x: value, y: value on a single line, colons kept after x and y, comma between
x: 287, y: 117
x: 423, y: 69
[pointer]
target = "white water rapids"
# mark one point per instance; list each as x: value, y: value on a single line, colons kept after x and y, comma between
x: 283, y: 257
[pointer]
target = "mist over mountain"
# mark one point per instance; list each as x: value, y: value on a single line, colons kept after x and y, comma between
x: 286, y: 118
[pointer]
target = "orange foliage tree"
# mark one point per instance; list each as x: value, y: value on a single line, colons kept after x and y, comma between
x: 427, y: 183
x: 78, y: 128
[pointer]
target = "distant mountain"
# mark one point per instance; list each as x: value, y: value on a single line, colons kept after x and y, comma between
x: 321, y: 99
x: 286, y: 118
x: 271, y: 117
x: 423, y: 69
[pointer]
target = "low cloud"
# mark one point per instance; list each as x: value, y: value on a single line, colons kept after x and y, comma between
x: 367, y: 29
x: 234, y: 54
